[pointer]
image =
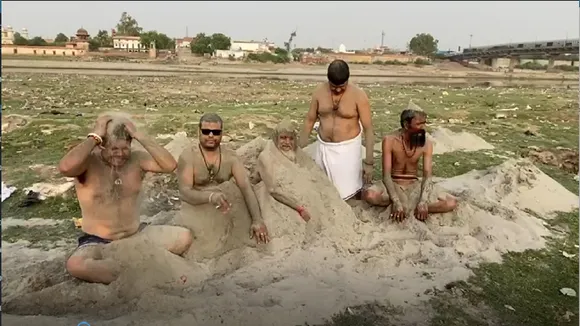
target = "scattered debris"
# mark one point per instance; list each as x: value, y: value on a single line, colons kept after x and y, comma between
x: 7, y: 191
x: 507, y: 306
x: 50, y: 190
x: 568, y: 291
x: 32, y: 198
x: 567, y: 255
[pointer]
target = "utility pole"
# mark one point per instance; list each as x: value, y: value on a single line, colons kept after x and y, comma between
x: 470, y: 38
x: 382, y: 39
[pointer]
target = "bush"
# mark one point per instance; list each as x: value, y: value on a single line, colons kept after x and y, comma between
x: 422, y: 62
x: 390, y: 63
x: 567, y: 68
x: 531, y: 65
x: 267, y: 57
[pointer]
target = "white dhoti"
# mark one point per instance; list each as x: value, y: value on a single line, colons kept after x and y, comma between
x: 342, y: 163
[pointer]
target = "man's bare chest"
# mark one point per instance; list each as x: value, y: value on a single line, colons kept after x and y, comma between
x: 210, y: 171
x: 345, y: 107
x: 110, y: 184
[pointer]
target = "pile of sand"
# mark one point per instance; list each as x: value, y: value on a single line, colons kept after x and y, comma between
x: 310, y: 271
x: 445, y: 140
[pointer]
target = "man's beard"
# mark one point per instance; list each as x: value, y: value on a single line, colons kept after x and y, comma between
x: 291, y: 155
x: 417, y: 139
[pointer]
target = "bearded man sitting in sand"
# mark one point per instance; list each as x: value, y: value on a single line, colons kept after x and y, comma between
x: 400, y: 186
x: 108, y: 178
x: 202, y: 169
x: 283, y: 145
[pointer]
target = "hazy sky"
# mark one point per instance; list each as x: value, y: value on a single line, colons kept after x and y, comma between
x: 355, y: 24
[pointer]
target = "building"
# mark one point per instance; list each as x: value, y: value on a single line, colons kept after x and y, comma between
x: 127, y: 43
x: 78, y: 46
x: 183, y: 42
x: 7, y: 35
x: 80, y: 40
x: 252, y: 46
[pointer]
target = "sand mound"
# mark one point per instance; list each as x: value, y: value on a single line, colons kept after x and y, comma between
x: 310, y: 271
x: 445, y: 140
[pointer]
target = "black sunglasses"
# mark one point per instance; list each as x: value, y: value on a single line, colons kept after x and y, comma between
x: 215, y: 132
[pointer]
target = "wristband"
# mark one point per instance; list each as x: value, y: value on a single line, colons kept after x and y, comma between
x: 370, y: 164
x: 210, y: 196
x: 95, y: 137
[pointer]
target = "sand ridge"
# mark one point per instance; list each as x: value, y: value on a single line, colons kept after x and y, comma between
x: 310, y: 271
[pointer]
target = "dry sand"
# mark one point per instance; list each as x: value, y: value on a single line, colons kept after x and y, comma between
x: 309, y: 271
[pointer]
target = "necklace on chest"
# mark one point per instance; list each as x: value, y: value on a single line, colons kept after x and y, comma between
x: 212, y: 172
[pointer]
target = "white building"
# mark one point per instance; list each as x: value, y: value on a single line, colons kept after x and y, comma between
x: 252, y: 46
x: 7, y: 35
x: 128, y: 43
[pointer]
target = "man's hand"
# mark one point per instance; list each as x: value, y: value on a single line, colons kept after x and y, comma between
x: 304, y: 213
x: 260, y: 232
x: 421, y: 212
x: 131, y: 129
x: 101, y: 125
x: 367, y: 173
x: 398, y: 212
x: 219, y: 200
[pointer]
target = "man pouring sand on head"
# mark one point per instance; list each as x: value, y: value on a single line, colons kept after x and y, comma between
x: 400, y: 187
x: 201, y: 170
x: 342, y: 108
x: 108, y: 178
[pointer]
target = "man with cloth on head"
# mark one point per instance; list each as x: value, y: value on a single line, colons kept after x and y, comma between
x: 401, y: 187
x: 344, y: 112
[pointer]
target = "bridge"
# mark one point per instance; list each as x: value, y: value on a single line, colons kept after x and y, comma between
x: 555, y: 50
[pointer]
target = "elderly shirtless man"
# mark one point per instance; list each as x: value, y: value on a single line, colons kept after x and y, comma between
x: 284, y: 140
x: 342, y: 108
x: 202, y: 168
x: 400, y: 186
x: 108, y: 177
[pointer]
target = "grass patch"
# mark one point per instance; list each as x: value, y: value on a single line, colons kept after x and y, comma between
x: 369, y: 314
x: 527, y: 282
x: 39, y: 236
x: 56, y: 208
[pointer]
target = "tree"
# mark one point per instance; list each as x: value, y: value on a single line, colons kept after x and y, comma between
x: 220, y: 42
x: 201, y: 44
x: 162, y: 41
x: 37, y: 41
x: 19, y: 40
x: 94, y: 44
x: 103, y: 39
x: 60, y: 38
x: 128, y: 26
x: 423, y: 44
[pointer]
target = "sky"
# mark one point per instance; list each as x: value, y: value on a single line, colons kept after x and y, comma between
x: 357, y: 24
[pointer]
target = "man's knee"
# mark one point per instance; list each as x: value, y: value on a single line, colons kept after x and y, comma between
x: 184, y: 240
x: 371, y: 196
x: 76, y: 266
x: 450, y: 203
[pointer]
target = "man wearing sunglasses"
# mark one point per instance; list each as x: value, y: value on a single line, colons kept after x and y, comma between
x: 203, y: 168
x: 344, y: 112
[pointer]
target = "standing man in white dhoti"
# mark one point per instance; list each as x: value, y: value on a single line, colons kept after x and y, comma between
x: 344, y: 113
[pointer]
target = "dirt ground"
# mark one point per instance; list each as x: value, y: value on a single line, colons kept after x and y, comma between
x: 501, y: 283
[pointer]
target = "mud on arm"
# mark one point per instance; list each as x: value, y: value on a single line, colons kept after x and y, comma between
x: 242, y: 179
x: 387, y: 166
x: 365, y: 116
x: 76, y: 161
x: 309, y: 121
x: 266, y: 171
x: 427, y: 183
x: 157, y: 159
x: 186, y: 181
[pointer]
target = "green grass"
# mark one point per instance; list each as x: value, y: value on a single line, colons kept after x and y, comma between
x: 41, y: 236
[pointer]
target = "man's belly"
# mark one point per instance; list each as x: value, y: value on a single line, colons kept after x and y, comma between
x: 110, y: 223
x: 338, y: 129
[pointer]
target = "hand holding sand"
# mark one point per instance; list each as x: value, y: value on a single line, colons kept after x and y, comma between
x: 219, y: 200
x: 421, y: 212
x: 398, y: 212
x: 101, y: 125
x: 260, y: 232
x: 131, y: 129
x: 367, y: 173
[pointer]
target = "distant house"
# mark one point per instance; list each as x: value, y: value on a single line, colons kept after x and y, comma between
x: 127, y: 43
x: 252, y: 46
x: 183, y: 42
